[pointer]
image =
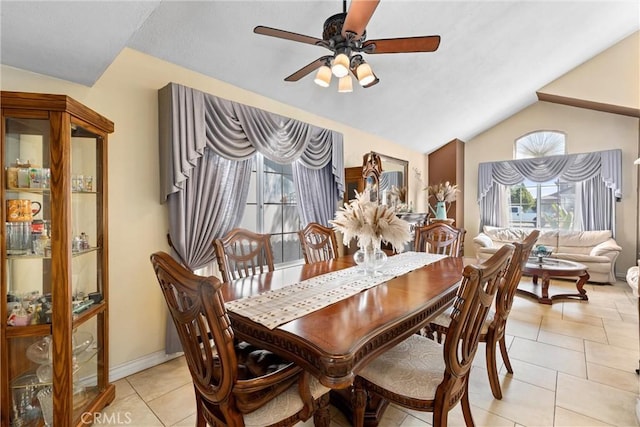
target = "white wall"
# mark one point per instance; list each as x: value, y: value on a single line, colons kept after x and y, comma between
x: 127, y: 95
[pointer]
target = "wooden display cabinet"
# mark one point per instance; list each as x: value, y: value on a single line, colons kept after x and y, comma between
x: 54, y: 347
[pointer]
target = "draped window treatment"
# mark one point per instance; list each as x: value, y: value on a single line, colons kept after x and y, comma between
x: 599, y: 174
x: 206, y: 149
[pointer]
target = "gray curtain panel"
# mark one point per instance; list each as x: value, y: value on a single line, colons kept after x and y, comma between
x: 314, y: 188
x: 599, y: 171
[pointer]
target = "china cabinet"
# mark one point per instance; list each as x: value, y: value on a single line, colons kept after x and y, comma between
x: 54, y: 255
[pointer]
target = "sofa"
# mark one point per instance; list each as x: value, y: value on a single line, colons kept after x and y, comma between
x: 595, y: 249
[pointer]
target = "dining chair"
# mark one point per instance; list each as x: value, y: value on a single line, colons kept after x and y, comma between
x: 241, y: 253
x: 494, y: 327
x: 439, y: 238
x: 235, y: 384
x: 424, y: 375
x: 319, y: 243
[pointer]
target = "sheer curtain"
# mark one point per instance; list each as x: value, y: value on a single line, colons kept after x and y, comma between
x: 206, y: 147
x: 599, y: 174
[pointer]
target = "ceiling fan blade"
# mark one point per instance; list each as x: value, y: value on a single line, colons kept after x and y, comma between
x: 308, y: 69
x: 402, y: 45
x: 360, y: 12
x: 287, y: 35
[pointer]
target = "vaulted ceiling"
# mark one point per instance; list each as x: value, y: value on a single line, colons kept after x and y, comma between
x: 492, y: 58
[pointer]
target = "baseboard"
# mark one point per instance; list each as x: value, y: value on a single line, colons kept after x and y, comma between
x: 140, y: 364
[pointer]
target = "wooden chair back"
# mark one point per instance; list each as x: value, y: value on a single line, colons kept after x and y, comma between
x: 319, y: 243
x: 197, y: 309
x: 470, y: 308
x: 439, y: 238
x: 230, y: 378
x: 505, y: 295
x: 243, y: 253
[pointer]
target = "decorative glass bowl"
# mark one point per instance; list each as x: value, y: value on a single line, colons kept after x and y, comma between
x: 541, y: 252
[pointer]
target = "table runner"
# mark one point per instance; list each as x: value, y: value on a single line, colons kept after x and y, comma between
x: 274, y: 308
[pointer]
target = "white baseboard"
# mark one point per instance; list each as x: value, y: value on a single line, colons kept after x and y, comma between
x: 140, y: 364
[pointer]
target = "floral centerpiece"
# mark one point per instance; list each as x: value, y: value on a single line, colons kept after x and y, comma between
x: 371, y: 224
x: 443, y: 194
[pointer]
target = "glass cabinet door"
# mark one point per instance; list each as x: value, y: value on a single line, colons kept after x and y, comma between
x: 27, y: 264
x: 86, y: 266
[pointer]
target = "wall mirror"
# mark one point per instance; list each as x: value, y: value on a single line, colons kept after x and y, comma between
x: 394, y: 172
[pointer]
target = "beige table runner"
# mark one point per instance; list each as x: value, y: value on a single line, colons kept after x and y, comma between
x: 274, y: 308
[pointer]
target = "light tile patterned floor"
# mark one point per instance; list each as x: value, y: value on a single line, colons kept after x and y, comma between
x: 574, y: 365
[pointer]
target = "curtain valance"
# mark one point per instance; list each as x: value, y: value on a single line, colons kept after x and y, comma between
x: 236, y: 131
x: 571, y: 167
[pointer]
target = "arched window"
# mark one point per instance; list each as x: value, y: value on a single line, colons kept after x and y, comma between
x: 542, y: 204
x: 540, y: 144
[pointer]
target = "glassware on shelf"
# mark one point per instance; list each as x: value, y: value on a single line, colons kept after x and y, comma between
x: 24, y: 406
x: 45, y: 397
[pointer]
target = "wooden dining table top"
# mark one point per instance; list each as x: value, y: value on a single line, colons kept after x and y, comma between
x: 335, y: 342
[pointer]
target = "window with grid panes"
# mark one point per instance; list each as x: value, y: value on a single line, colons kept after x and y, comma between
x: 272, y: 208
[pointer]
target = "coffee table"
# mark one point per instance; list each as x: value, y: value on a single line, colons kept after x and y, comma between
x: 551, y: 267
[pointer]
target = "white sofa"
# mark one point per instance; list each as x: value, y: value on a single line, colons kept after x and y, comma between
x: 595, y: 249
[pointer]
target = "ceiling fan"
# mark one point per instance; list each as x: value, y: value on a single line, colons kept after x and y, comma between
x: 344, y: 34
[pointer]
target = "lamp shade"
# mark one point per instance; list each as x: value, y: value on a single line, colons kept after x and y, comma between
x: 364, y: 73
x: 345, y: 85
x: 340, y: 67
x: 323, y: 76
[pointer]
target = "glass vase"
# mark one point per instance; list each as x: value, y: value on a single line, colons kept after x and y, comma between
x: 370, y: 258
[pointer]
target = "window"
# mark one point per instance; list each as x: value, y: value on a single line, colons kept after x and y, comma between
x: 540, y: 144
x: 272, y: 208
x: 542, y: 205
x: 548, y: 205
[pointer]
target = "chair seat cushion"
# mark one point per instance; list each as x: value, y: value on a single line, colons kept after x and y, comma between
x: 262, y: 375
x: 282, y: 406
x: 414, y: 368
x: 444, y: 319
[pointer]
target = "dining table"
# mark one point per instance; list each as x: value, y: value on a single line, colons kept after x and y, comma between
x: 332, y: 318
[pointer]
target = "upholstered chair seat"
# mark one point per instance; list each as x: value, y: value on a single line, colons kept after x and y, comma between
x: 420, y: 374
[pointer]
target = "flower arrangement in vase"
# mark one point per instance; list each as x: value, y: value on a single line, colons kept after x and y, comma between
x: 371, y: 224
x: 444, y: 194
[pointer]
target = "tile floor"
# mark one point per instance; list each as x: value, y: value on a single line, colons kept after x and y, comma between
x: 574, y: 365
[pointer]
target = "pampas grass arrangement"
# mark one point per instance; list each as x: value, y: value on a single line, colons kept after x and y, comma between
x: 371, y: 223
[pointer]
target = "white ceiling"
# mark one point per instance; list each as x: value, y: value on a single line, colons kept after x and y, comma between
x: 493, y: 55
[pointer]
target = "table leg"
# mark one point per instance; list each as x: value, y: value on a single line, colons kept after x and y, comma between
x: 544, y: 299
x: 580, y: 285
x: 582, y: 292
x: 342, y: 399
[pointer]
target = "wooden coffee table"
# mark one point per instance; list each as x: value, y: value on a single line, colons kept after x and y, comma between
x: 551, y: 267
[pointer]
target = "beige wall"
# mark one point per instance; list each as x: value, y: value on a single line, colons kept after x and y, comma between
x: 606, y: 79
x: 127, y: 94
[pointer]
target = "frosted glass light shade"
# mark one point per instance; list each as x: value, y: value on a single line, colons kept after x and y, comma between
x: 637, y: 162
x: 340, y: 67
x: 345, y: 84
x: 365, y: 75
x: 323, y: 76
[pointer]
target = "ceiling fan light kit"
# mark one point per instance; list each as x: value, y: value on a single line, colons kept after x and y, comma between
x: 362, y: 70
x: 340, y: 66
x: 345, y: 84
x: 344, y: 34
x: 323, y: 77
